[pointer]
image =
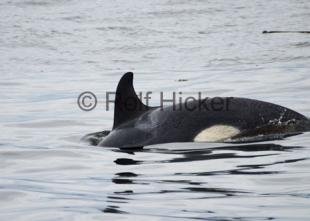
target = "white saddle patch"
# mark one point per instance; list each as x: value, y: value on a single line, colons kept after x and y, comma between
x: 216, y: 133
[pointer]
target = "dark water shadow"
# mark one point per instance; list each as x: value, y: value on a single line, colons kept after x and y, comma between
x: 113, y: 209
x: 258, y: 147
x: 209, y: 153
x: 194, y: 190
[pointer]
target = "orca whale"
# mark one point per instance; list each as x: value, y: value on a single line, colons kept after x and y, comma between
x: 137, y: 125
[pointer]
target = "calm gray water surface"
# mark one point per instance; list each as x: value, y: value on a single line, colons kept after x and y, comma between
x: 51, y: 51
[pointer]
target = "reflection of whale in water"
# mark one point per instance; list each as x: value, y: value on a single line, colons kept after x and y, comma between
x: 188, y: 182
x: 210, y: 152
x: 242, y: 120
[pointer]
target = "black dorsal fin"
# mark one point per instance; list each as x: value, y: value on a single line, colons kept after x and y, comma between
x: 127, y: 104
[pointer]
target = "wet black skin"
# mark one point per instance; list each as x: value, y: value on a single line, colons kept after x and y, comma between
x: 166, y: 125
x: 181, y: 123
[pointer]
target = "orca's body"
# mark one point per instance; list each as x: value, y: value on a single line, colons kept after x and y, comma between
x: 137, y: 125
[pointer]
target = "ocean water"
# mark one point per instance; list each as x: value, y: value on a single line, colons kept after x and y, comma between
x: 52, y: 51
